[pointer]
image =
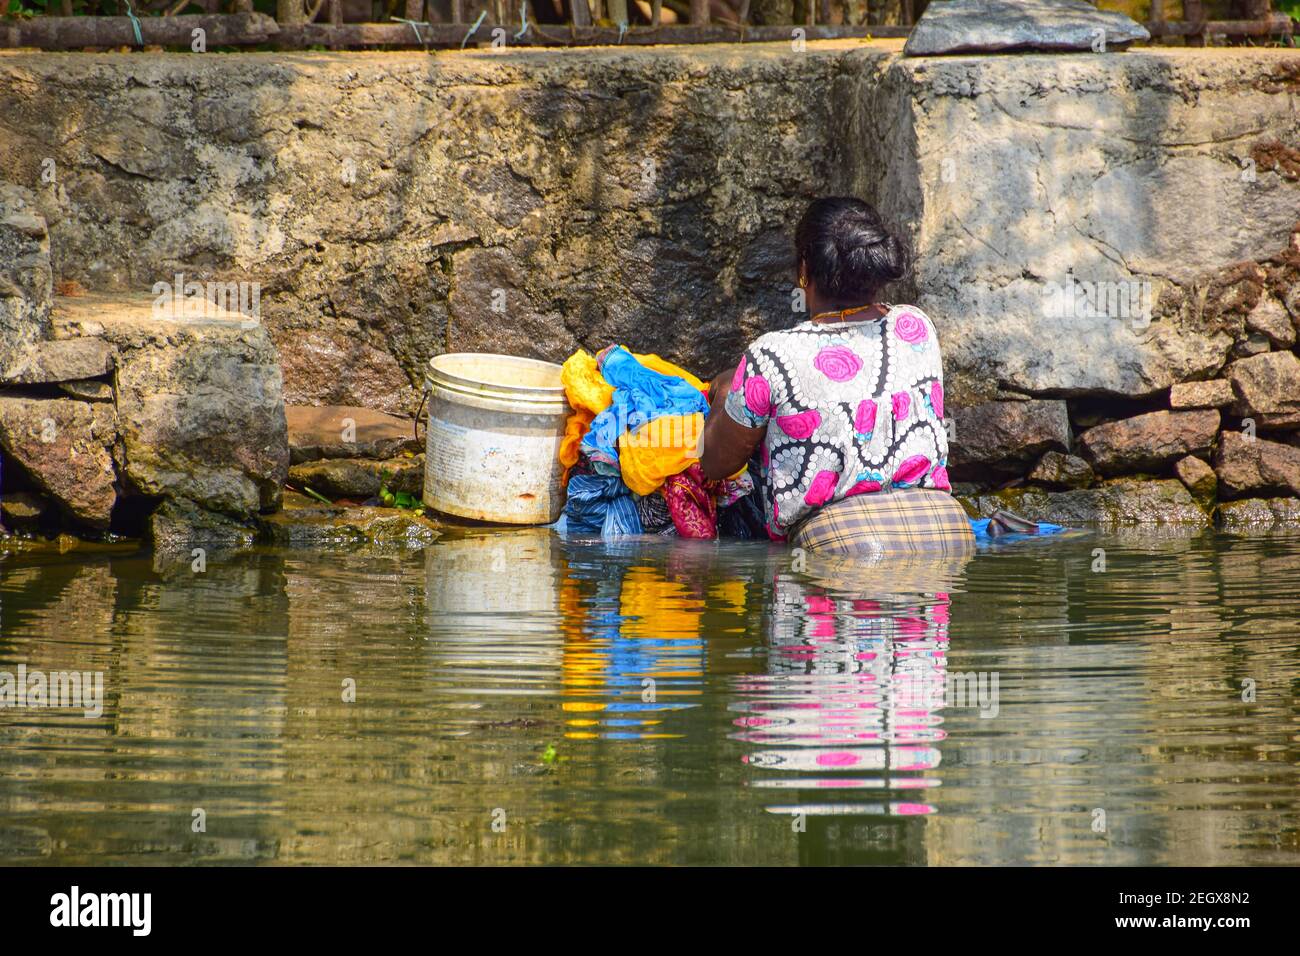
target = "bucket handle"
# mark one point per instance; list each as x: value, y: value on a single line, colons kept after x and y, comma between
x: 415, y: 424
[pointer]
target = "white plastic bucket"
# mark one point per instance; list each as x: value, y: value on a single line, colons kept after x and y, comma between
x: 493, y: 443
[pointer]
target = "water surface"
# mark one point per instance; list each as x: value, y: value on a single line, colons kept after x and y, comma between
x: 520, y: 698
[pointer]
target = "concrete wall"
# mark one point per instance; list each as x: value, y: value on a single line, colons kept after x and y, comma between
x: 648, y: 197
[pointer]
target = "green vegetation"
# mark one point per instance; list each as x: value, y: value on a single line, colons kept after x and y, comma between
x: 398, y: 499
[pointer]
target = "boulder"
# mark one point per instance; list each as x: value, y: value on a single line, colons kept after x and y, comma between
x: 1004, y: 437
x: 346, y: 431
x: 310, y: 525
x: 1057, y: 470
x: 989, y: 26
x: 359, y: 477
x: 1258, y: 514
x: 26, y: 282
x: 199, y: 401
x: 1216, y: 393
x: 1248, y: 465
x: 1149, y: 442
x: 1269, y: 318
x: 1123, y: 501
x: 180, y: 525
x: 1267, y: 389
x: 63, y: 445
x: 1198, y: 477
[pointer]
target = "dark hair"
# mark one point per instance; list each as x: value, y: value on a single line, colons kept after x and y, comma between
x: 848, y: 252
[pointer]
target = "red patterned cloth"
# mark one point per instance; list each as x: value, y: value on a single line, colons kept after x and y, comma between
x: 692, y: 502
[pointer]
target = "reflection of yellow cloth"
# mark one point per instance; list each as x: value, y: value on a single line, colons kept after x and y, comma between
x: 659, y: 449
x: 654, y: 454
x: 653, y: 607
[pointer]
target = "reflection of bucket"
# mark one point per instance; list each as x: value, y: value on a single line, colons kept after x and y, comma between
x: 498, y: 582
x: 495, y: 425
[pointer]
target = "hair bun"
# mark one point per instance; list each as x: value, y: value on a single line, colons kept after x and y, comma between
x: 848, y: 251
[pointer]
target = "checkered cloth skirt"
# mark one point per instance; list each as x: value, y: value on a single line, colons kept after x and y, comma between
x: 905, y: 521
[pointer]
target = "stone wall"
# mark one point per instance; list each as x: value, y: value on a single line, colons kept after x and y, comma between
x: 395, y: 206
x: 641, y: 196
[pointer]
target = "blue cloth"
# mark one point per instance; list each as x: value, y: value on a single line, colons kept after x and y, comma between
x: 600, y: 504
x: 981, y: 528
x: 640, y: 395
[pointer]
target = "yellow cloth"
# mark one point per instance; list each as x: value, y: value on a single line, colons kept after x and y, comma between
x: 660, y: 448
x: 651, y: 453
x: 574, y: 429
x: 583, y: 384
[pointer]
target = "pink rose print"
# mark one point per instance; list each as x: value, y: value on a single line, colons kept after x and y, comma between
x: 864, y: 487
x: 911, y: 470
x: 819, y: 604
x: 940, y: 478
x: 821, y: 489
x: 936, y: 399
x: 758, y: 396
x: 837, y: 759
x: 910, y: 329
x: 776, y: 515
x: 902, y: 405
x: 864, y: 421
x: 738, y: 380
x: 837, y: 363
x: 801, y: 425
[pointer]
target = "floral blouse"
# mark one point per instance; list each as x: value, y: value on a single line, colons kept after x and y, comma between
x: 850, y: 408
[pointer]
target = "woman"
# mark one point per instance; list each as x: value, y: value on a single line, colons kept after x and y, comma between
x: 845, y: 409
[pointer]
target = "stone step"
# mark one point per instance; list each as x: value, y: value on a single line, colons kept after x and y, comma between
x: 347, y: 431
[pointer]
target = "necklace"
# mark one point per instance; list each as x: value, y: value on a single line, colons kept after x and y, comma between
x: 843, y: 314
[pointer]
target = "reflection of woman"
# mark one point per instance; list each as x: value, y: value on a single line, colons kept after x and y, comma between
x: 846, y: 409
x: 852, y: 684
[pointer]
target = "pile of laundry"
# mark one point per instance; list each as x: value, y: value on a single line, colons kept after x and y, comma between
x: 631, y: 453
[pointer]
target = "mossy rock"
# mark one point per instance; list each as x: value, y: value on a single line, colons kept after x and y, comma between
x: 1124, y: 501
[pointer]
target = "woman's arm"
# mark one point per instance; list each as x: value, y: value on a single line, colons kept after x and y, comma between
x: 726, y: 444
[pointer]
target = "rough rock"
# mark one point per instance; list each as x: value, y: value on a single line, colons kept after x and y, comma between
x: 1113, y: 503
x: 1252, y: 344
x: 177, y: 524
x: 22, y: 510
x: 1001, y: 220
x: 62, y: 360
x: 1250, y: 465
x: 1269, y: 317
x: 1150, y: 442
x: 1267, y: 389
x: 1062, y: 471
x: 306, y: 525
x: 26, y: 282
x: 199, y: 399
x: 1258, y: 514
x: 88, y: 390
x: 1215, y: 393
x: 359, y: 477
x: 346, y: 431
x: 1198, y: 477
x: 1004, y: 437
x: 989, y: 26
x: 63, y: 446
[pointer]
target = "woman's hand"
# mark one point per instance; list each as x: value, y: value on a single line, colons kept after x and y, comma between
x: 726, y: 445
